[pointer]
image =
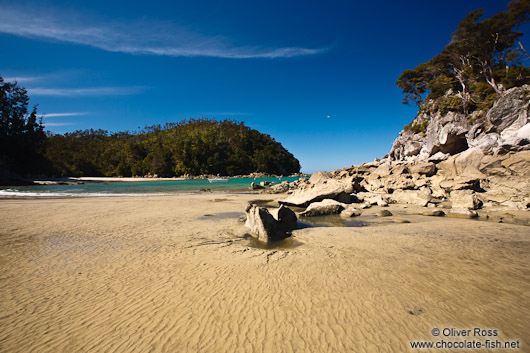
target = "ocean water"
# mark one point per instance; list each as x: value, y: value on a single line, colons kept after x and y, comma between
x: 136, y: 188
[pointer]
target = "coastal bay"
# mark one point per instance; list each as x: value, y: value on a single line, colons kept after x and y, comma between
x: 179, y: 273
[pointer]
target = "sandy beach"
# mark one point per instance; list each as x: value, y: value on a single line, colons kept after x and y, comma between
x: 178, y: 274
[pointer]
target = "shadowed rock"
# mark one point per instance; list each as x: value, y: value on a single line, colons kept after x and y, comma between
x: 287, y: 219
x: 384, y: 213
x: 262, y: 224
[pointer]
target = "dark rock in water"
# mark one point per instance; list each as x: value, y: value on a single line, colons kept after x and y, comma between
x: 262, y: 224
x: 384, y: 213
x: 254, y: 186
x: 287, y: 219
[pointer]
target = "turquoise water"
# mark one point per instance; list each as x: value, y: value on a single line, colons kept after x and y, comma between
x: 136, y: 188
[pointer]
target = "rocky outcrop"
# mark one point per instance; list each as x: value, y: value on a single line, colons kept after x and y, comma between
x: 469, y: 162
x: 432, y: 134
x: 319, y: 187
x: 263, y: 225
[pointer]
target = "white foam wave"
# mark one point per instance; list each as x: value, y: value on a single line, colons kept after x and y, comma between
x: 15, y: 193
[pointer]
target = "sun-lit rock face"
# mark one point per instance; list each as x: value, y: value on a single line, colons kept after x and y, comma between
x: 435, y: 136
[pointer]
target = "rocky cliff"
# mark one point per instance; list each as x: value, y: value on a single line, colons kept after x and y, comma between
x: 435, y: 135
x: 462, y: 163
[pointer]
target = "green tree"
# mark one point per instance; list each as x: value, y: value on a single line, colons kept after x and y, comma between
x: 22, y: 136
x: 481, y: 51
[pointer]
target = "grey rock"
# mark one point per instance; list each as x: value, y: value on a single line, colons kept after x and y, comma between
x: 263, y: 225
x: 413, y: 197
x: 423, y: 168
x: 462, y: 199
x: 324, y: 207
x: 384, y: 213
x: 462, y: 213
x: 434, y: 213
x: 321, y: 186
x: 504, y: 127
x: 254, y: 186
x: 350, y: 211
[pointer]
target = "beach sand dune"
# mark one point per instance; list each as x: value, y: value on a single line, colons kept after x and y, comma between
x: 178, y: 274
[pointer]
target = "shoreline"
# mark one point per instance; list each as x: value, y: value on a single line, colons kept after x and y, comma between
x: 52, y: 181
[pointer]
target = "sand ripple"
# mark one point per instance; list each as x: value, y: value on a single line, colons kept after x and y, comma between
x: 155, y: 275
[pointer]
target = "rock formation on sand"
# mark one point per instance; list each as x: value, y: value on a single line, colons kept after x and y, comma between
x: 266, y: 227
x: 466, y: 162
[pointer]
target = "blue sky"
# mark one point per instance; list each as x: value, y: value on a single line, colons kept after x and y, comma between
x: 282, y: 67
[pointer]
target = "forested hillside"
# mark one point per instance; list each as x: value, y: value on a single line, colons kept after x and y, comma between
x: 192, y: 146
x: 195, y: 146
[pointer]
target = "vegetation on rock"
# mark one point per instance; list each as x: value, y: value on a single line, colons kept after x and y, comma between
x: 483, y: 59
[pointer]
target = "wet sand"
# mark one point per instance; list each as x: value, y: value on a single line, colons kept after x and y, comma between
x: 178, y: 274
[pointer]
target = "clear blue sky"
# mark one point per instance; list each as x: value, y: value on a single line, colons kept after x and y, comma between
x: 282, y: 67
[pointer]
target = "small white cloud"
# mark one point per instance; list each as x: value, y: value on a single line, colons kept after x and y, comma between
x: 53, y: 115
x: 57, y: 124
x: 22, y: 79
x: 93, y: 91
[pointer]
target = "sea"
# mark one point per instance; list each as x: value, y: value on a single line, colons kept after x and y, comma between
x: 137, y: 188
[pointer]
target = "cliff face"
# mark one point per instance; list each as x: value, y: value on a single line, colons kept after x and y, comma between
x: 451, y: 161
x: 435, y: 136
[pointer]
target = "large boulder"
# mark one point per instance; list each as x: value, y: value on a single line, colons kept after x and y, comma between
x: 465, y: 199
x: 279, y: 188
x: 413, y: 197
x: 321, y: 186
x: 263, y: 225
x: 324, y: 207
x: 423, y: 168
x: 350, y: 211
x: 373, y: 198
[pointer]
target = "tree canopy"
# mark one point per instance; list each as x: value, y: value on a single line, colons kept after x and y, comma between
x: 194, y: 146
x: 483, y: 58
x: 22, y: 135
